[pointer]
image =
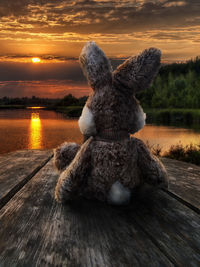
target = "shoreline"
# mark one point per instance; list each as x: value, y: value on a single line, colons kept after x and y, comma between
x: 151, y: 111
x: 167, y: 116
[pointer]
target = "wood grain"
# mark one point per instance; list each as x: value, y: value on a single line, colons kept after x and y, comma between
x: 17, y: 168
x: 172, y: 226
x: 154, y: 230
x: 42, y: 232
x: 184, y: 181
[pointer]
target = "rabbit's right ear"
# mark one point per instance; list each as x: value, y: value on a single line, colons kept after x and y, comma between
x: 137, y: 73
x: 95, y: 65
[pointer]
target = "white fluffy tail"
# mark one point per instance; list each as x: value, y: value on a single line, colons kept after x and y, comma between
x: 118, y: 194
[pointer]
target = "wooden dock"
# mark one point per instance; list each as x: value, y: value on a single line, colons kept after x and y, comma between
x: 162, y: 229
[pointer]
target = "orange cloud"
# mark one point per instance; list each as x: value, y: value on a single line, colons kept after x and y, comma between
x: 121, y: 27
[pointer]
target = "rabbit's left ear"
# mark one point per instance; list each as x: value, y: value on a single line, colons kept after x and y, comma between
x: 137, y: 73
x: 95, y: 65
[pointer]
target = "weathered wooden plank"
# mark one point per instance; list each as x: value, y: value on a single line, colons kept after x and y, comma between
x: 36, y: 231
x: 174, y: 227
x: 184, y: 181
x: 17, y: 168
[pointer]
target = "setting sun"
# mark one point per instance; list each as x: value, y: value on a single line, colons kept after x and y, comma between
x: 36, y: 60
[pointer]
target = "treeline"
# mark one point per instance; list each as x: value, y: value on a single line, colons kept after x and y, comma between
x: 176, y: 86
x: 68, y: 100
x: 26, y: 101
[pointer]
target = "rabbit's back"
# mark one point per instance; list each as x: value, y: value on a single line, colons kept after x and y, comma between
x: 112, y: 161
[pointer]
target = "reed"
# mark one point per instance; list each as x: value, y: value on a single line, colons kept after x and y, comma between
x: 189, y: 153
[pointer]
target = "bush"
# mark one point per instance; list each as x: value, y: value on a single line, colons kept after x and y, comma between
x: 189, y: 153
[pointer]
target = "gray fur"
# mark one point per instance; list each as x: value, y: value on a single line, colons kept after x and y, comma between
x: 64, y: 154
x: 151, y: 167
x: 73, y: 179
x: 116, y: 111
x: 111, y: 155
x: 137, y: 73
x: 95, y: 65
x: 118, y: 194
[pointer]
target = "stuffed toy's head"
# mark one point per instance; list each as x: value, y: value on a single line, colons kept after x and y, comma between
x: 112, y: 109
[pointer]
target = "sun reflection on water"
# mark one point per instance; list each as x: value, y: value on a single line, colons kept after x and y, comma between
x: 35, y: 132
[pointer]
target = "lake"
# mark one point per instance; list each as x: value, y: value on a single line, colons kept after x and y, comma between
x: 42, y: 129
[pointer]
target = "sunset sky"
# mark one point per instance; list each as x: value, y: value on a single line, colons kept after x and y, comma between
x: 56, y: 30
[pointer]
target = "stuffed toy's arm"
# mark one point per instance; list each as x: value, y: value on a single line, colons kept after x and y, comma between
x: 71, y: 179
x: 152, y: 169
x: 64, y: 154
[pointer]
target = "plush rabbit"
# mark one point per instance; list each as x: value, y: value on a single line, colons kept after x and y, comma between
x: 110, y: 164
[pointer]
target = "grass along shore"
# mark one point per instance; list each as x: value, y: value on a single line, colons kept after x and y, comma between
x: 189, y: 153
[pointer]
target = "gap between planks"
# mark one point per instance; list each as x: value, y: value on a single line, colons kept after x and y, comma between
x: 184, y: 182
x: 94, y: 233
x: 150, y: 234
x: 43, y: 232
x: 4, y: 200
x: 18, y: 186
x: 181, y: 200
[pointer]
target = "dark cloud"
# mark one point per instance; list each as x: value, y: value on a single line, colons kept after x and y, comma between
x: 28, y: 71
x: 56, y: 30
x: 52, y: 80
x: 100, y: 16
x: 69, y: 69
x: 55, y: 23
